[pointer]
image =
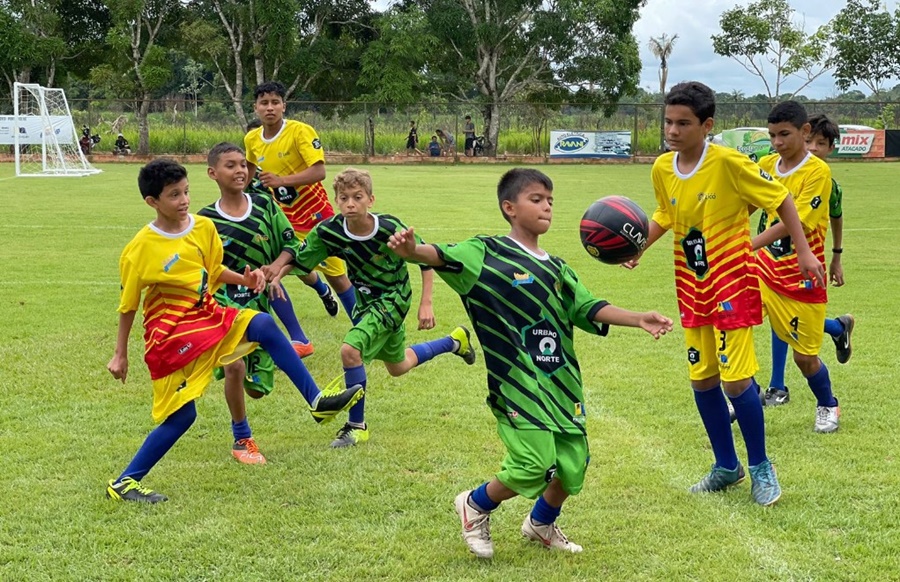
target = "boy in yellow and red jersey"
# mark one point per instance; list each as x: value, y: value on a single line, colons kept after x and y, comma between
x: 795, y: 307
x: 703, y: 192
x: 291, y: 162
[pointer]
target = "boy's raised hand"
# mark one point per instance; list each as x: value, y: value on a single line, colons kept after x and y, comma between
x: 118, y: 367
x: 403, y: 243
x: 655, y: 324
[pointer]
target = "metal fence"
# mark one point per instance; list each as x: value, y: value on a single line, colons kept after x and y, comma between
x: 183, y: 127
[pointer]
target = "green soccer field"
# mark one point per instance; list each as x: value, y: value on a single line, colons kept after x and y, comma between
x: 384, y: 510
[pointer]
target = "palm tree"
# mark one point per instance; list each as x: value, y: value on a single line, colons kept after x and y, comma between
x: 661, y: 47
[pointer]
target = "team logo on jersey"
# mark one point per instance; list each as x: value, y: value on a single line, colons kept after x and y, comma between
x: 522, y: 279
x: 316, y: 144
x: 693, y: 355
x: 184, y: 349
x: 168, y: 263
x: 694, y: 246
x: 580, y: 413
x: 363, y: 290
x: 704, y: 196
x: 258, y: 238
x: 550, y: 474
x: 285, y: 194
x: 816, y: 202
x: 542, y: 342
x: 765, y: 174
x: 287, y: 234
x: 225, y: 241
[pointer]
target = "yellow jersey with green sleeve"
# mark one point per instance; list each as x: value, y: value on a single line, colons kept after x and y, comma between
x: 707, y: 212
x: 810, y: 185
x: 293, y: 149
x: 524, y: 307
x: 178, y: 274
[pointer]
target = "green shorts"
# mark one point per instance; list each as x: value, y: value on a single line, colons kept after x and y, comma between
x: 535, y: 457
x: 260, y: 372
x: 376, y: 341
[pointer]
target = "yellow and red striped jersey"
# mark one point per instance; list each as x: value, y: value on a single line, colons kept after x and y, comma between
x: 810, y: 185
x: 294, y: 148
x: 179, y: 273
x: 707, y: 210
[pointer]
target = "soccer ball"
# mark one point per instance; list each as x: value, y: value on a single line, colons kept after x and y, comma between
x: 614, y: 230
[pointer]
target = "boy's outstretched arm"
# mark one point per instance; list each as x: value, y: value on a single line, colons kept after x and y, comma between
x: 770, y: 235
x: 810, y: 267
x: 656, y: 232
x: 403, y: 243
x: 426, y: 310
x: 254, y: 279
x: 118, y: 365
x: 836, y: 269
x: 652, y: 322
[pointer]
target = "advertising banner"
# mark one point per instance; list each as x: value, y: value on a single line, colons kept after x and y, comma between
x: 590, y: 144
x: 860, y: 143
x: 753, y: 142
x: 30, y: 128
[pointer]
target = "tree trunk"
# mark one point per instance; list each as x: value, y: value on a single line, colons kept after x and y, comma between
x: 143, y: 126
x: 492, y: 125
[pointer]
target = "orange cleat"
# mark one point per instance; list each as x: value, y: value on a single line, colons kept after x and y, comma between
x: 303, y: 349
x: 246, y: 451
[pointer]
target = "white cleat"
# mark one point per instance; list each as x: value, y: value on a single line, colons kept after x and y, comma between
x: 476, y: 527
x: 549, y: 535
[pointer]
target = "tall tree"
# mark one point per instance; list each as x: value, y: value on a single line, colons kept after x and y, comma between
x: 864, y: 37
x: 30, y: 41
x: 662, y: 47
x: 765, y: 39
x: 503, y: 50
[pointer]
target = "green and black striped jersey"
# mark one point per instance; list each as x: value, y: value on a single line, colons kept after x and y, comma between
x: 523, y: 307
x: 254, y: 239
x: 380, y: 277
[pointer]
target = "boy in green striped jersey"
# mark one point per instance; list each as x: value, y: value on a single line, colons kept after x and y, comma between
x: 524, y: 304
x: 384, y: 294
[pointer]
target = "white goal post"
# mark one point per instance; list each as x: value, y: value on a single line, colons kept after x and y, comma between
x: 43, y: 134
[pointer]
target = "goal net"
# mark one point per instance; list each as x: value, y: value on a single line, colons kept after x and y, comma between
x: 43, y: 135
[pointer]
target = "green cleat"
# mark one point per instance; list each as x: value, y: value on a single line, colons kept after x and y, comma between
x: 350, y: 436
x: 465, y: 349
x: 719, y: 479
x: 334, y: 399
x: 765, y: 489
x: 130, y: 490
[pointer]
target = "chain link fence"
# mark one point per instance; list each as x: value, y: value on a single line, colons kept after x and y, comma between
x: 186, y: 127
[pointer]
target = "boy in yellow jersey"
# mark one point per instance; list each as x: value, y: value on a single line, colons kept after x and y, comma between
x: 291, y: 162
x: 796, y: 307
x: 703, y: 192
x: 176, y: 261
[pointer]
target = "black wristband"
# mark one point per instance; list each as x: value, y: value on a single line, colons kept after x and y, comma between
x: 837, y: 251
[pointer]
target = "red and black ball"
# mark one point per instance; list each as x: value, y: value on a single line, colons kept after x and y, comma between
x: 614, y: 230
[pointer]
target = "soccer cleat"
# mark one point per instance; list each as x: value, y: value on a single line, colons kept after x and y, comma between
x: 476, y: 527
x: 130, y: 490
x: 303, y: 349
x: 842, y: 342
x: 465, y: 350
x: 827, y: 418
x: 765, y: 489
x: 549, y: 535
x: 718, y: 479
x: 246, y: 452
x: 331, y: 304
x: 334, y: 399
x: 776, y: 396
x: 350, y: 436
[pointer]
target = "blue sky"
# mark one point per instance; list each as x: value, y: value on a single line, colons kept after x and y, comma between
x: 693, y: 57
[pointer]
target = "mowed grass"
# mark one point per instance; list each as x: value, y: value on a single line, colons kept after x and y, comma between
x: 384, y: 510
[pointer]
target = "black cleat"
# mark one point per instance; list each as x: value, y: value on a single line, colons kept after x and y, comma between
x: 777, y: 396
x: 330, y: 402
x: 842, y: 342
x: 331, y: 304
x: 130, y: 490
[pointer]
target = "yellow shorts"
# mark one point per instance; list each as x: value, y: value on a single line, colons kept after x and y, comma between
x: 728, y: 354
x: 180, y: 387
x: 797, y: 323
x: 330, y: 267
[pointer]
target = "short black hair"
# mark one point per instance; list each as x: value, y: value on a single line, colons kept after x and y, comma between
x: 790, y: 112
x: 698, y: 97
x: 254, y: 123
x: 468, y: 117
x: 514, y: 181
x: 823, y: 126
x: 219, y: 150
x: 158, y: 174
x: 269, y: 87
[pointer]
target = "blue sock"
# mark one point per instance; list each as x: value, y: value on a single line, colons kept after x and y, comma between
x: 543, y: 512
x: 714, y: 414
x: 820, y: 384
x: 284, y: 309
x: 833, y: 327
x: 348, y: 300
x: 241, y: 430
x: 749, y: 413
x: 353, y: 377
x: 262, y: 329
x: 779, y: 360
x: 320, y: 287
x: 480, y: 498
x: 159, y: 441
x: 427, y: 350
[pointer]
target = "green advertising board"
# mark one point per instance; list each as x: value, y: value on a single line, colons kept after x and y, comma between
x: 754, y: 142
